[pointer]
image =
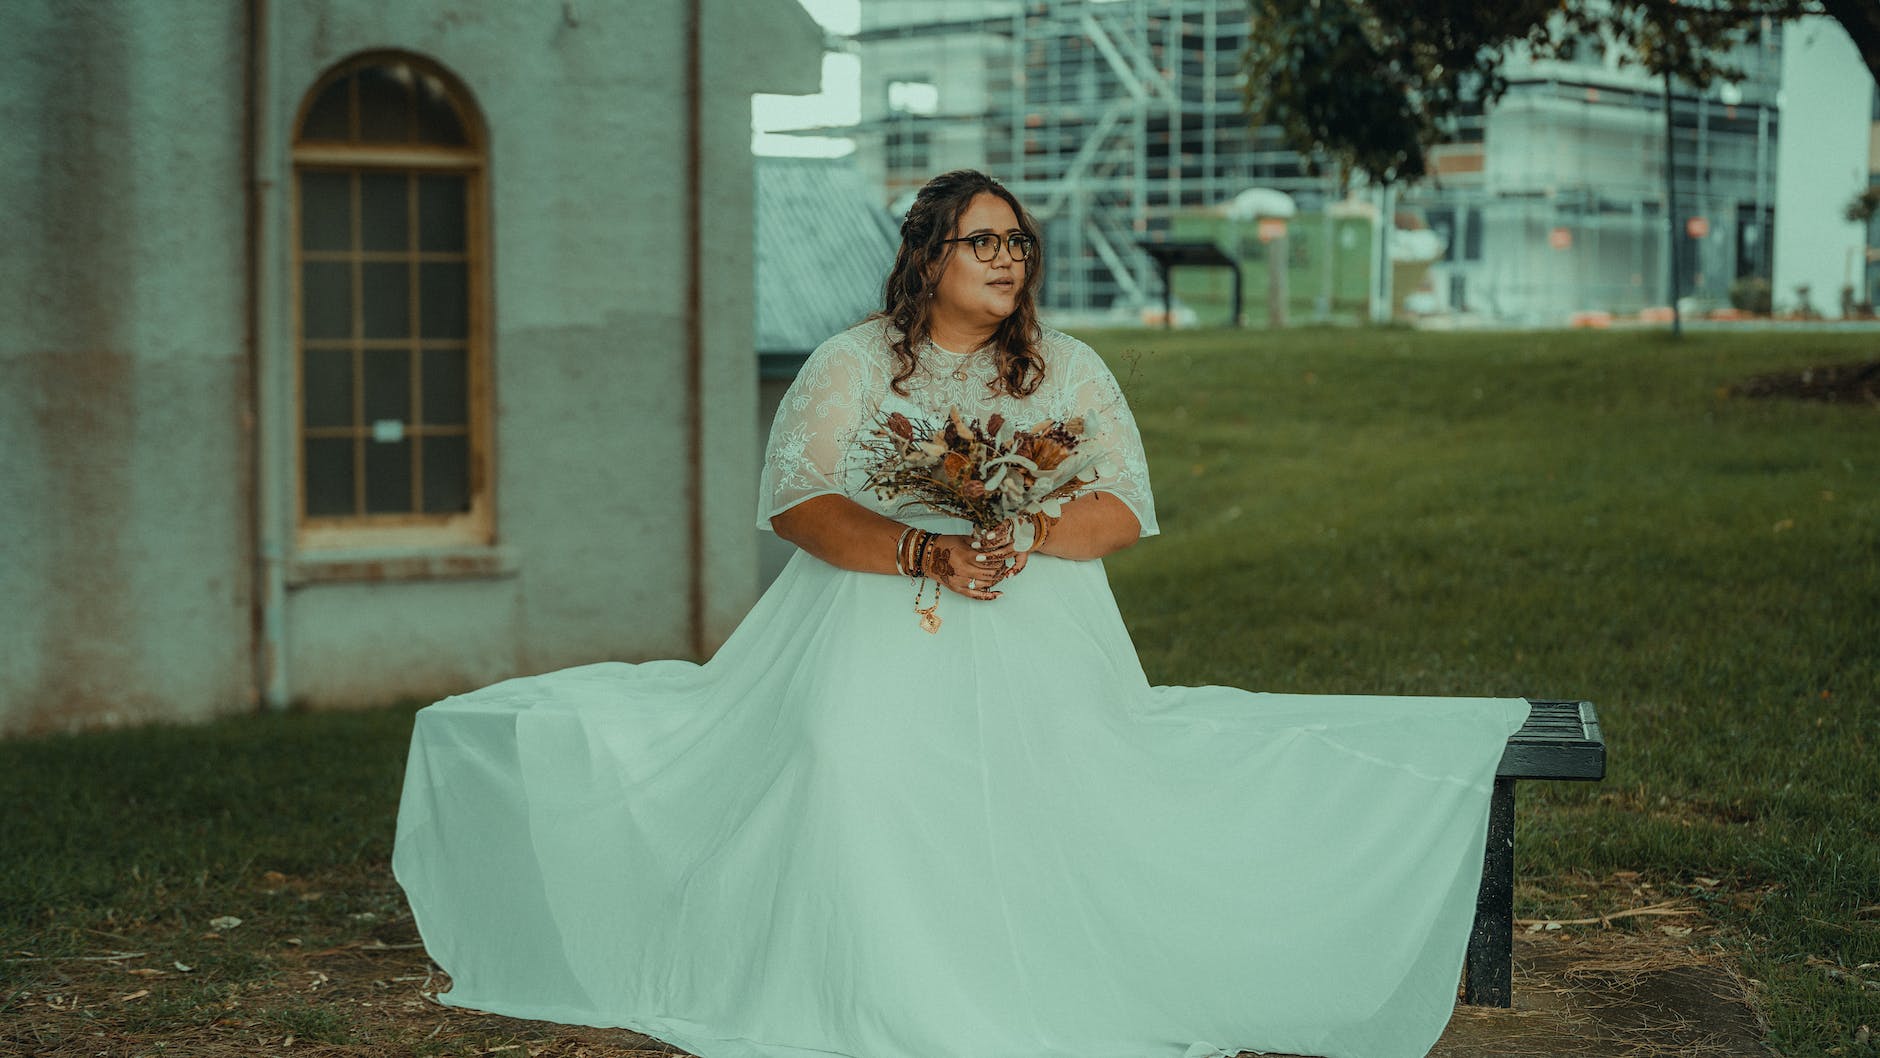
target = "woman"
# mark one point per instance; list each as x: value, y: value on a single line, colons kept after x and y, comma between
x: 847, y: 834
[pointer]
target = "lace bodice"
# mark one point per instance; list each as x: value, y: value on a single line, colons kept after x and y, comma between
x: 843, y: 391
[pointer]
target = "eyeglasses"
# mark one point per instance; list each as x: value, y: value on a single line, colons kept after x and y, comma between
x: 986, y: 245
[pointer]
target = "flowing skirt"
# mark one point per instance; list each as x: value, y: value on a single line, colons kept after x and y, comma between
x: 846, y: 836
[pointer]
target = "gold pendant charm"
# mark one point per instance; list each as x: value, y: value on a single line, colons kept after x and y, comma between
x: 959, y: 373
x: 929, y: 620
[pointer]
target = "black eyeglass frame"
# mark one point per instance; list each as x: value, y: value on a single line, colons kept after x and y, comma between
x: 999, y: 241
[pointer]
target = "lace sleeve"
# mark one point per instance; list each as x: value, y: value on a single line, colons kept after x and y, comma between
x: 816, y: 422
x: 1093, y: 392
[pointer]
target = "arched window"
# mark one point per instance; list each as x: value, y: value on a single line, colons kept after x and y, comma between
x: 391, y: 305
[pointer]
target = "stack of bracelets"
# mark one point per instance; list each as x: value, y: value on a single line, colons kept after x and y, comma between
x: 910, y: 559
x: 910, y: 552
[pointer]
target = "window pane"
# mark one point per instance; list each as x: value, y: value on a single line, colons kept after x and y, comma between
x: 440, y: 213
x: 325, y: 211
x: 383, y: 223
x: 444, y: 299
x: 437, y: 119
x: 386, y: 291
x: 385, y: 104
x: 446, y: 474
x: 387, y: 377
x: 388, y: 476
x: 328, y: 475
x: 446, y: 388
x: 326, y: 299
x: 326, y: 387
x: 329, y: 118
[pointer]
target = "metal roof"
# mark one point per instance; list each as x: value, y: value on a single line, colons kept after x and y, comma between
x: 823, y: 250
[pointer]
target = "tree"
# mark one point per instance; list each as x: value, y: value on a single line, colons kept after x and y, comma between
x: 1372, y: 84
x: 1864, y: 206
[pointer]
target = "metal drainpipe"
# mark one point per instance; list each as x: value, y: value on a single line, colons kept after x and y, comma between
x: 694, y: 320
x: 270, y: 663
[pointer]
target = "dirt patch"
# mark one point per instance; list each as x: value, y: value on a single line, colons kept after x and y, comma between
x: 1833, y: 383
x: 332, y: 966
x: 1613, y: 993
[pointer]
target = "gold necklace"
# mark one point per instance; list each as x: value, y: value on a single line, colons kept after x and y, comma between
x: 960, y: 373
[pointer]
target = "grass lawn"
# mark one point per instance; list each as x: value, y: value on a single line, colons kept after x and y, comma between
x: 1558, y: 515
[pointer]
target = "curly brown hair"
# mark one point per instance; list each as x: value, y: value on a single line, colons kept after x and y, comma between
x: 907, y: 303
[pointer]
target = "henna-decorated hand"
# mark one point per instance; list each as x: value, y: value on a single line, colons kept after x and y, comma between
x: 964, y: 569
x: 998, y: 541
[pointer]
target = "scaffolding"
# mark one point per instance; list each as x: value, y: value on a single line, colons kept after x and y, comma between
x: 1113, y: 118
x: 1106, y: 118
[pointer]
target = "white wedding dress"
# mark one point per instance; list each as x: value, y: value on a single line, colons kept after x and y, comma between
x: 844, y: 836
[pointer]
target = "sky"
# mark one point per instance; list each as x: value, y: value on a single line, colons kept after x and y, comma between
x: 838, y: 104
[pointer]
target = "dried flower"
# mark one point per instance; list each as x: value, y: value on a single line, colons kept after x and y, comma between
x: 956, y: 467
x: 962, y: 468
x: 1049, y: 453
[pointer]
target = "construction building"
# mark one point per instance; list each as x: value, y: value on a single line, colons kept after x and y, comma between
x: 1114, y: 120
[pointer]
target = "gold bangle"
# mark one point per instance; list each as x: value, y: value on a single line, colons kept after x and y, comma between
x: 901, y: 552
x: 1041, y: 528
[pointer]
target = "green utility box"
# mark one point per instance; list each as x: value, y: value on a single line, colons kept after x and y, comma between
x: 1208, y: 292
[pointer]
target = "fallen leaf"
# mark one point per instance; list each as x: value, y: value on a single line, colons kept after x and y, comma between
x: 139, y: 994
x: 180, y: 968
x: 145, y: 971
x: 224, y: 922
x: 1675, y: 931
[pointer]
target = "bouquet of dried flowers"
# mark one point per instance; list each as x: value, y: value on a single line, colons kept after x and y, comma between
x: 987, y: 473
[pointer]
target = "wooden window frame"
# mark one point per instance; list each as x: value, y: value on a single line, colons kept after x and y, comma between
x: 367, y: 531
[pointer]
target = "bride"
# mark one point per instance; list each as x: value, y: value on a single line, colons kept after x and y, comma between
x: 880, y: 827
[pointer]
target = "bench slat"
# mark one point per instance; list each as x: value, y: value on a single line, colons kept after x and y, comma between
x: 1561, y: 740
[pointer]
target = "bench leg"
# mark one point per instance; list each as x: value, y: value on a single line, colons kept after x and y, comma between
x: 1488, y: 976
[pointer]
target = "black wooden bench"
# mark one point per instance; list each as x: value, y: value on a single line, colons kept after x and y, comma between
x: 1560, y: 740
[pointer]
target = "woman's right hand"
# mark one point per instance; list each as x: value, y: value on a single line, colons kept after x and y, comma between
x: 952, y: 561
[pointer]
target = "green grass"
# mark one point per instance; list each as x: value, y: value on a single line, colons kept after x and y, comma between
x: 1557, y: 515
x: 1579, y: 515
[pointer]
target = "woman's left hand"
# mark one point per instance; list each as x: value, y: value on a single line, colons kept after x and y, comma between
x: 997, y: 541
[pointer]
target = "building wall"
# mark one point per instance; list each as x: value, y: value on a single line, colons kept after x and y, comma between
x: 128, y: 413
x: 124, y: 539
x: 1827, y: 97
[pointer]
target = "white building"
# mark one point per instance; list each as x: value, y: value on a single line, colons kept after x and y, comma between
x: 1830, y: 154
x: 1111, y: 118
x: 355, y: 350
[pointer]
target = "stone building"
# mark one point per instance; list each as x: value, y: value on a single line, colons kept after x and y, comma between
x: 354, y: 350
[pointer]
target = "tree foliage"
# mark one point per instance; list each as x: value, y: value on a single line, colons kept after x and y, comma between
x: 1864, y: 206
x: 1371, y: 85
